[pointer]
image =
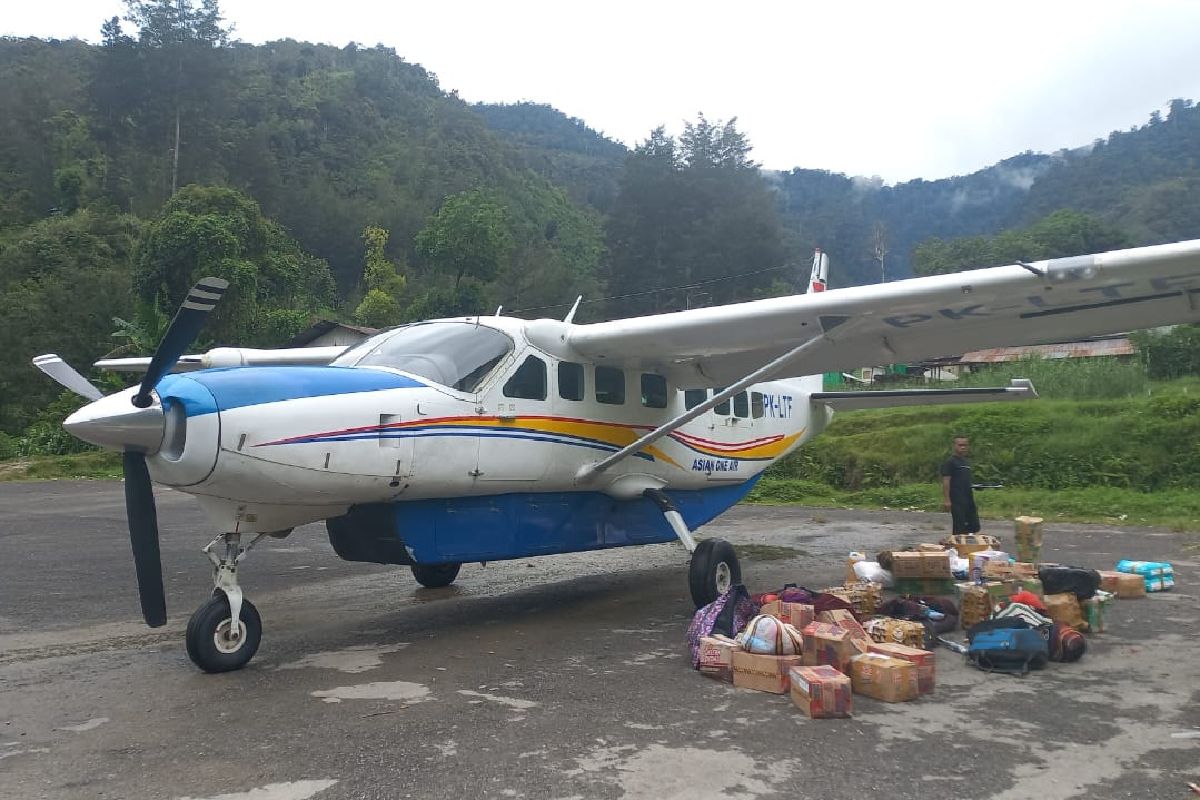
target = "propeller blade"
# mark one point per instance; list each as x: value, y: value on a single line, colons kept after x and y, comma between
x: 66, y: 376
x: 184, y: 328
x: 143, y: 535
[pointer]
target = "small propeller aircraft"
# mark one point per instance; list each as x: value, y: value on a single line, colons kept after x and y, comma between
x: 488, y: 438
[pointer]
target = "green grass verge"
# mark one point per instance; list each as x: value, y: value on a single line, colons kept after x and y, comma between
x: 79, y: 465
x: 1178, y: 509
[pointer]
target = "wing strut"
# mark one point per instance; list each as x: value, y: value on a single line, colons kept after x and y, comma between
x: 590, y: 471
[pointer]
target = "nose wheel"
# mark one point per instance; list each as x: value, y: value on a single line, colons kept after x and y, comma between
x: 224, y: 633
x: 212, y: 643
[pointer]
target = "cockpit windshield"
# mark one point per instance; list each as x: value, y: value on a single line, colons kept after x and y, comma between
x: 455, y: 354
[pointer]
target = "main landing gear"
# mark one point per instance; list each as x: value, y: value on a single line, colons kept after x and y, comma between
x: 224, y: 633
x: 714, y: 567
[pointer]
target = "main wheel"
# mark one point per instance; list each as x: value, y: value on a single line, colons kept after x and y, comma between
x: 209, y: 644
x: 433, y: 576
x: 714, y: 569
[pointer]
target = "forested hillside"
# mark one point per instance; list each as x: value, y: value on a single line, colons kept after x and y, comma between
x: 345, y: 183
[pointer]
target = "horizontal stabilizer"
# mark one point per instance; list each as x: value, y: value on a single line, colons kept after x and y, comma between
x: 1017, y: 389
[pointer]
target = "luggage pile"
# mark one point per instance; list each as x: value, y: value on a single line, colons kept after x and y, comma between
x: 823, y: 647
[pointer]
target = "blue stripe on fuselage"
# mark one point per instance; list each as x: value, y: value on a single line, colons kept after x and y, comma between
x: 210, y: 390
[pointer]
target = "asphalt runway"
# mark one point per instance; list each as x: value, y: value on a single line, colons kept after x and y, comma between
x: 560, y: 677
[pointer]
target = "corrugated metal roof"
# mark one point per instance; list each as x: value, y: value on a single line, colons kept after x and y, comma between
x: 1093, y: 349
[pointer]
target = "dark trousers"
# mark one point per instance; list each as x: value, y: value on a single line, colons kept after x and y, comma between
x: 964, y: 516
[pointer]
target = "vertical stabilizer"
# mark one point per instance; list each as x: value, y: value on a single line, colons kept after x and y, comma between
x: 820, y: 272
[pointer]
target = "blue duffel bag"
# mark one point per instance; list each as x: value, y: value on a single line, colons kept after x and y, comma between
x: 1014, y: 650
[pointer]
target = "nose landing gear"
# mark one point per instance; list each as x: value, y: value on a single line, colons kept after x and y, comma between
x: 224, y: 633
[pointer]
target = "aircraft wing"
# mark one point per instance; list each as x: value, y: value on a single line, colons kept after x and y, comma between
x: 911, y: 320
x: 233, y: 357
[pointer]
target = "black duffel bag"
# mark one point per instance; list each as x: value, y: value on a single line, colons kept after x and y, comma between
x: 1079, y: 581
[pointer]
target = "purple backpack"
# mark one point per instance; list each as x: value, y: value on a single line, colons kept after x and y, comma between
x: 726, y: 615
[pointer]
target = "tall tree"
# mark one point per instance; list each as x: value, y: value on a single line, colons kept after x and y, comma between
x: 693, y: 214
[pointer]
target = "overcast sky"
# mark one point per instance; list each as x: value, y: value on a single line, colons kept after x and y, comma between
x: 901, y: 90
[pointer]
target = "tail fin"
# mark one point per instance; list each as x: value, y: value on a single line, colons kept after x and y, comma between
x: 820, y: 272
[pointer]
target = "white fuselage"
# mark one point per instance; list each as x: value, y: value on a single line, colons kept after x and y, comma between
x: 272, y: 455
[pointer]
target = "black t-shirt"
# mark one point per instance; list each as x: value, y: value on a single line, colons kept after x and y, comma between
x: 958, y: 469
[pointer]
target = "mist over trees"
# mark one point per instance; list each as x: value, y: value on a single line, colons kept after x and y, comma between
x: 344, y: 183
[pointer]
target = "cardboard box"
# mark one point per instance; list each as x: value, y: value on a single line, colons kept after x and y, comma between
x: 863, y: 596
x: 907, y: 564
x: 968, y: 543
x: 931, y: 548
x: 891, y: 680
x: 1028, y: 536
x: 716, y: 657
x: 1064, y: 608
x: 844, y: 620
x: 1122, y: 584
x: 796, y: 614
x: 820, y: 692
x: 762, y: 673
x: 924, y: 661
x: 896, y: 631
x: 936, y: 565
x: 1009, y: 570
x: 832, y: 645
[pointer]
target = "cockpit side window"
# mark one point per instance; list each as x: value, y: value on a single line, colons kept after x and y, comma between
x: 529, y: 381
x: 459, y: 355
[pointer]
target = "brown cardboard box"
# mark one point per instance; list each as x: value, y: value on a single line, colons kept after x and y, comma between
x: 908, y: 564
x: 716, y: 657
x: 796, y: 614
x: 1065, y: 608
x: 1009, y: 570
x: 883, y: 678
x: 1123, y: 584
x: 936, y: 565
x: 896, y: 631
x: 863, y: 596
x: 820, y: 692
x: 830, y: 644
x: 931, y: 548
x: 923, y: 659
x: 844, y: 620
x: 968, y: 543
x: 763, y: 673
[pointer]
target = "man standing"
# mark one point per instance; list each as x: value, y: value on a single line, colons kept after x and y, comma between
x: 957, y: 496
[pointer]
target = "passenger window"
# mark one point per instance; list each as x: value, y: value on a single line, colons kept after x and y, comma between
x: 654, y: 390
x: 570, y: 380
x: 529, y: 381
x: 694, y: 397
x: 741, y: 405
x: 756, y: 404
x: 721, y: 408
x: 610, y: 386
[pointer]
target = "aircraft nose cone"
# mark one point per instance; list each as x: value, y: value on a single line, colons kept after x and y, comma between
x: 115, y: 423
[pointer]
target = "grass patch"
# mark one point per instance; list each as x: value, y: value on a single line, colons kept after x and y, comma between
x: 1178, y: 509
x: 99, y: 464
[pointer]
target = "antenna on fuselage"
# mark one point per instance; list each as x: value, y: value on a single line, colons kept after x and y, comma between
x: 571, y: 314
x: 499, y: 308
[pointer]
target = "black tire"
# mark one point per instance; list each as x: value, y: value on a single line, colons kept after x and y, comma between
x: 205, y: 626
x: 435, y: 576
x: 714, y: 568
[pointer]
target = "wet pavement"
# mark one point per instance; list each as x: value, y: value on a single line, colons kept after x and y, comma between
x: 558, y: 677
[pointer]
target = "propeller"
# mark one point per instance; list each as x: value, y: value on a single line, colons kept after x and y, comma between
x: 184, y: 328
x: 109, y: 422
x: 139, y: 492
x: 66, y: 376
